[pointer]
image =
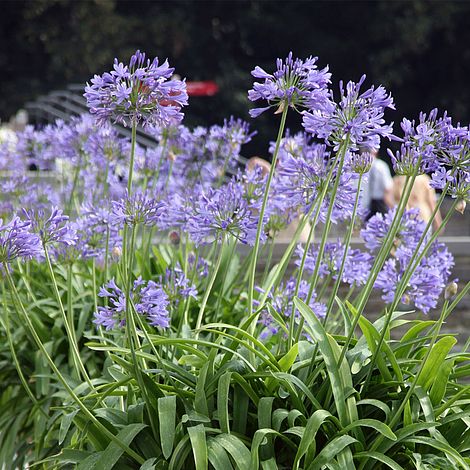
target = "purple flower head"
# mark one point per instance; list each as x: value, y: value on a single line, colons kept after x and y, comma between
x: 460, y: 185
x: 358, y: 116
x: 302, y: 179
x: 40, y: 196
x: 16, y: 241
x: 295, y: 83
x: 360, y: 162
x: 425, y: 142
x: 198, y: 265
x: 427, y: 282
x: 51, y: 228
x: 223, y: 211
x: 95, y: 230
x: 356, y: 268
x: 378, y: 226
x: 177, y: 286
x: 148, y: 298
x: 34, y: 148
x: 153, y: 303
x: 139, y: 208
x: 142, y: 92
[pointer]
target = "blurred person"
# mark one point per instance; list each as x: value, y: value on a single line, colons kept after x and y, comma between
x: 377, y: 196
x: 422, y: 197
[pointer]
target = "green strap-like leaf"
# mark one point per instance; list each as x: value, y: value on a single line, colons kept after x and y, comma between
x: 442, y: 446
x: 437, y: 356
x: 331, y: 451
x: 236, y: 448
x: 308, y: 439
x: 380, y: 458
x: 372, y: 423
x: 197, y: 435
x: 109, y: 457
x: 167, y: 422
x: 218, y: 456
x: 317, y: 332
x: 223, y: 390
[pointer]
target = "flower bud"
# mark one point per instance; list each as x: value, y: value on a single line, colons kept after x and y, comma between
x: 171, y: 156
x: 406, y: 299
x: 116, y: 252
x: 461, y: 205
x: 174, y: 238
x: 280, y: 109
x: 451, y: 290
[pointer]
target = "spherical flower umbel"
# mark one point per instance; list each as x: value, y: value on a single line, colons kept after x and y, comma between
x: 432, y: 273
x: 139, y: 208
x: 142, y: 92
x: 148, y: 298
x: 51, y: 228
x: 16, y: 241
x: 302, y: 179
x: 358, y: 116
x: 296, y: 83
x: 223, y: 211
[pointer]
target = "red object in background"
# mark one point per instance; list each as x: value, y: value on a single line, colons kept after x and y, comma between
x: 206, y: 88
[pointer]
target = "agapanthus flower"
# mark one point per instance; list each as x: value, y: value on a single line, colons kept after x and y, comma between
x: 427, y: 281
x: 296, y: 83
x: 176, y: 285
x: 302, y: 180
x: 433, y: 142
x: 279, y: 211
x: 139, y: 208
x: 223, y: 211
x: 142, y: 92
x: 16, y: 241
x: 358, y: 117
x: 460, y: 185
x: 356, y: 267
x: 51, y: 226
x: 34, y: 150
x: 430, y: 276
x: 411, y: 228
x: 148, y: 298
x: 282, y: 301
x: 360, y: 162
x: 96, y: 230
x: 40, y: 196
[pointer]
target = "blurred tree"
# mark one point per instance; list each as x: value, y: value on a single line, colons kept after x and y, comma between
x: 418, y: 49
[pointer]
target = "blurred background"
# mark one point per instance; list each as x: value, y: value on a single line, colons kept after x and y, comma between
x: 419, y: 50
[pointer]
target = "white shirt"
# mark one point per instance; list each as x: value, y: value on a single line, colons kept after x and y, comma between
x: 379, y: 181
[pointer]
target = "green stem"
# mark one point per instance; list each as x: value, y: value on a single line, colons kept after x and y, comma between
x: 71, y: 335
x: 70, y: 316
x: 326, y: 229
x: 254, y: 260
x: 6, y: 325
x: 232, y: 245
x: 380, y: 259
x: 347, y: 242
x: 404, y: 282
x: 215, y: 270
x: 340, y: 155
x: 24, y: 278
x: 131, y: 162
x: 268, y: 260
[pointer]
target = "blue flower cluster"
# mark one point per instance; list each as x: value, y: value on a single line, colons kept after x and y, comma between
x: 191, y: 184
